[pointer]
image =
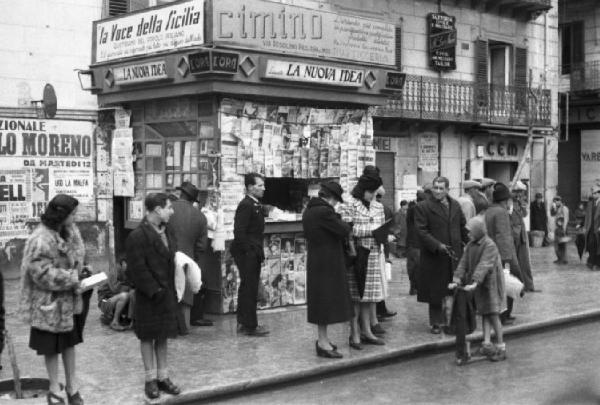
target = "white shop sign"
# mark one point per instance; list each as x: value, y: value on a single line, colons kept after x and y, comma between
x: 162, y: 29
x: 143, y: 72
x: 590, y: 161
x: 314, y: 73
x: 282, y: 28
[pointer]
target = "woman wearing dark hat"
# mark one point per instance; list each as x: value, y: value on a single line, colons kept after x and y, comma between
x: 366, y: 288
x: 328, y: 298
x: 50, y: 298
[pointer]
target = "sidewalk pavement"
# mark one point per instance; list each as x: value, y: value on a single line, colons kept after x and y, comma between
x: 215, y: 360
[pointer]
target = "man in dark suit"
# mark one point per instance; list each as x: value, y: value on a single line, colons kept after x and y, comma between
x: 440, y: 224
x: 247, y: 251
x: 189, y: 226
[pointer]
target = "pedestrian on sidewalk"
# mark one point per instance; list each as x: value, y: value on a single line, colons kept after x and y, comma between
x: 400, y: 229
x: 440, y: 224
x: 560, y: 213
x: 190, y: 229
x: 364, y: 279
x: 382, y: 311
x: 592, y: 229
x: 480, y: 271
x: 518, y: 211
x: 248, y: 254
x: 50, y: 298
x: 150, y: 250
x: 497, y: 221
x: 116, y: 299
x: 466, y: 201
x: 327, y: 294
x: 413, y: 247
x: 539, y: 216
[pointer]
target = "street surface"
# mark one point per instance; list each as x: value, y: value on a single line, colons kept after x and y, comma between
x: 557, y: 367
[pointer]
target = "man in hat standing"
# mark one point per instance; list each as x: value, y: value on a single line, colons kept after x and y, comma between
x: 539, y: 216
x: 190, y: 229
x: 248, y: 254
x: 497, y: 220
x: 466, y: 201
x: 517, y: 212
x: 592, y: 229
x: 560, y: 213
x: 487, y: 188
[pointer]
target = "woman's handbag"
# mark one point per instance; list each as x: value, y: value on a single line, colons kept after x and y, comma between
x: 360, y: 268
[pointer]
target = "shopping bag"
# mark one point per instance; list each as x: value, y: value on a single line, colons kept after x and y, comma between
x: 512, y: 285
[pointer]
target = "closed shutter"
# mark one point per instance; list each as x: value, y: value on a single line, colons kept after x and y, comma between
x: 521, y: 78
x: 117, y: 7
x: 578, y: 39
x: 385, y: 162
x: 398, y: 47
x: 481, y: 74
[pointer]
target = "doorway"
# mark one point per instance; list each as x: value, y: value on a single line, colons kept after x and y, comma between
x: 502, y: 172
x: 385, y: 162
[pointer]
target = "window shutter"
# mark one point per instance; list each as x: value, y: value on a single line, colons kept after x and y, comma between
x: 577, y: 42
x: 117, y: 7
x: 398, y: 47
x: 520, y: 67
x: 481, y: 61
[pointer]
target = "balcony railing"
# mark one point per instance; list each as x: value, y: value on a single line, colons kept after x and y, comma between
x: 429, y: 98
x: 585, y: 77
x: 516, y: 8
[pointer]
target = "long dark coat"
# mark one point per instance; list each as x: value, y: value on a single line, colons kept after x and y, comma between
x: 327, y: 295
x: 436, y: 226
x: 591, y: 228
x: 539, y: 217
x: 151, y: 266
x: 497, y: 221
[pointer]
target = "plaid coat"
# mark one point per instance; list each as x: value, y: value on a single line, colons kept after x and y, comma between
x: 49, y: 277
x: 364, y: 221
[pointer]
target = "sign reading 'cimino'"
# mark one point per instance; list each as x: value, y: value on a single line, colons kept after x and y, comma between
x: 281, y: 28
x: 314, y: 73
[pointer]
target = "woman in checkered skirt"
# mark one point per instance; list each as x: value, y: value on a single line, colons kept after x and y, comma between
x: 366, y: 215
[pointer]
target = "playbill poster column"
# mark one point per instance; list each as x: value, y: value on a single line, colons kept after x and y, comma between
x: 38, y: 159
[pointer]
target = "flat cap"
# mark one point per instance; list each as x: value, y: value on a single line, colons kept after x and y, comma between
x: 486, y: 182
x: 468, y: 184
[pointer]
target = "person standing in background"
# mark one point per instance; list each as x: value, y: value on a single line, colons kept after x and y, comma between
x: 190, y: 229
x: 560, y: 213
x: 592, y: 229
x: 518, y: 211
x: 413, y: 249
x: 539, y: 216
x: 248, y: 254
x: 466, y: 201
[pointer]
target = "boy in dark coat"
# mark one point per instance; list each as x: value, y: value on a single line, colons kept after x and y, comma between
x: 480, y: 270
x: 151, y: 268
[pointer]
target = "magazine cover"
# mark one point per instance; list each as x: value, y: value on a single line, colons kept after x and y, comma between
x: 333, y: 164
x: 325, y: 137
x: 250, y: 109
x: 287, y: 263
x: 264, y: 289
x: 256, y: 133
x: 267, y: 135
x: 232, y: 107
x: 286, y: 135
x: 340, y: 116
x: 282, y: 114
x: 292, y: 115
x: 313, y: 162
x: 315, y: 134
x: 303, y: 115
x: 294, y: 136
x: 330, y: 115
x: 231, y: 282
x: 262, y: 112
x: 299, y: 278
x: 334, y: 137
x: 269, y: 168
x: 323, y: 162
x: 287, y: 164
x: 272, y: 112
x: 277, y: 139
x: 258, y: 160
x: 304, y: 163
x: 277, y: 162
x: 297, y: 163
x: 287, y: 245
x: 273, y: 243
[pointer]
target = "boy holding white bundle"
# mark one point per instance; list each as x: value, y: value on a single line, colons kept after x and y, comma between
x: 480, y: 271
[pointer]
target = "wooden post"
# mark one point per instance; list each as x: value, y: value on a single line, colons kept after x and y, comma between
x: 13, y: 362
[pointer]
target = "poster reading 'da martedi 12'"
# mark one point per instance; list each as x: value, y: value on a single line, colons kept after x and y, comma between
x: 40, y: 158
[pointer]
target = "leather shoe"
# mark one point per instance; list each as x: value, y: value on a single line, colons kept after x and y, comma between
x: 377, y: 329
x: 355, y: 346
x: 387, y: 314
x: 329, y: 354
x: 74, y: 399
x: 167, y: 386
x: 371, y: 341
x: 436, y: 330
x: 151, y: 389
x: 202, y: 322
x: 259, y: 331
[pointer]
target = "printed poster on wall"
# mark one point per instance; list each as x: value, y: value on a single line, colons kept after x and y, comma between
x: 160, y: 29
x: 122, y: 159
x: 37, y: 158
x: 428, y: 152
x: 590, y: 161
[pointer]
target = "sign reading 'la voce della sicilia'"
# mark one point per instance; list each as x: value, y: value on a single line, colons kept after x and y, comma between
x: 314, y: 73
x: 177, y: 26
x: 282, y: 28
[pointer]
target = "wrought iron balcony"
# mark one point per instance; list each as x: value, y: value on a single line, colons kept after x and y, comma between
x: 430, y: 98
x: 526, y: 9
x: 585, y: 77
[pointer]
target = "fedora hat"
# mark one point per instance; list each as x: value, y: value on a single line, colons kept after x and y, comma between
x: 335, y: 189
x: 189, y: 189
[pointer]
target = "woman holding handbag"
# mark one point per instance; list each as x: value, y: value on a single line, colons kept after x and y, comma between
x: 50, y: 299
x: 364, y: 279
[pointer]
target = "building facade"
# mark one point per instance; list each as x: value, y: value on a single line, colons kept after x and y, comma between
x: 579, y: 86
